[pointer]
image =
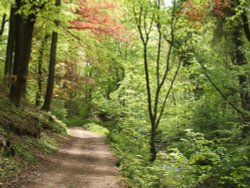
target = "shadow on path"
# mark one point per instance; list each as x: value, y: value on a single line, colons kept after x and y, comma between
x: 84, y: 162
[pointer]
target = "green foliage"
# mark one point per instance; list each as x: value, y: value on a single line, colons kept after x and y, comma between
x: 9, y: 167
x: 24, y: 151
x: 127, y: 110
x: 190, y: 165
x: 200, y: 162
x: 99, y: 79
x: 96, y: 128
x: 58, y: 109
x: 78, y: 112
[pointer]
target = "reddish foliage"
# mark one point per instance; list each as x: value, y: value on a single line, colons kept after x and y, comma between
x: 97, y: 17
x: 72, y: 75
x: 220, y: 6
x: 193, y: 11
x: 196, y: 12
x: 71, y: 81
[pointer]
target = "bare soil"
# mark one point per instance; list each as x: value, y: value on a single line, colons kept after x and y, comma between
x: 85, y: 161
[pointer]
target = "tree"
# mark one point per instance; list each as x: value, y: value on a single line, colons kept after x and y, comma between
x: 52, y: 64
x: 40, y: 71
x: 23, y: 38
x: 147, y: 20
x: 235, y: 11
x: 10, y: 45
x: 96, y: 17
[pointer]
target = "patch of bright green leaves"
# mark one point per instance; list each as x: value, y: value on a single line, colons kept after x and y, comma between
x: 96, y: 128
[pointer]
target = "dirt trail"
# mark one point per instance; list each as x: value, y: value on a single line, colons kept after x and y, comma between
x: 85, y: 162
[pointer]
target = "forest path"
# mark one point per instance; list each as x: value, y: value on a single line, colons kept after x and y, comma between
x: 84, y: 162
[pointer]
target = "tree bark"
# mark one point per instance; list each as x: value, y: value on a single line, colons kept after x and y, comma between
x: 10, y: 47
x: 40, y: 72
x: 24, y: 31
x: 51, y: 78
x: 153, y: 151
x: 52, y: 64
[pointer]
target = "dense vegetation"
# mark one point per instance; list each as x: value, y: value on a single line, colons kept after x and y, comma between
x: 169, y: 80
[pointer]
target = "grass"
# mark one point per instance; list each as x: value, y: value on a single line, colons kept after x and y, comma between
x: 96, y: 128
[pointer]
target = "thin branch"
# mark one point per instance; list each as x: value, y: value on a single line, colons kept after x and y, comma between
x: 138, y: 23
x: 145, y: 22
x: 158, y: 25
x: 169, y: 51
x: 151, y: 24
x: 145, y: 56
x: 75, y: 36
x: 158, y: 59
x: 219, y: 90
x: 168, y: 93
x: 3, y: 24
x: 172, y: 33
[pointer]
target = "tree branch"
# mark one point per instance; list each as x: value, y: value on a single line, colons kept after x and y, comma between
x: 169, y: 52
x: 219, y: 90
x: 145, y: 40
x: 138, y: 23
x: 3, y: 24
x: 168, y: 93
x: 158, y: 25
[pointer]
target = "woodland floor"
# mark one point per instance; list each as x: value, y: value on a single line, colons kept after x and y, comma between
x: 85, y: 161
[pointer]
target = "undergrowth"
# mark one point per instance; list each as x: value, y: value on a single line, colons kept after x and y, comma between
x: 96, y: 128
x: 32, y: 134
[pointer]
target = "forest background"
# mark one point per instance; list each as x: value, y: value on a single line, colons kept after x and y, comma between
x: 168, y: 81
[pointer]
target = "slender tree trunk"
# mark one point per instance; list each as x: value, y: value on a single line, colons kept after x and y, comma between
x: 10, y: 47
x: 153, y: 136
x: 52, y: 64
x: 3, y: 24
x: 40, y: 72
x: 25, y: 26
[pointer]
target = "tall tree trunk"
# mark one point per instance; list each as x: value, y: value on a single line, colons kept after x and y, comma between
x: 10, y: 46
x: 40, y: 72
x: 52, y: 64
x: 25, y: 26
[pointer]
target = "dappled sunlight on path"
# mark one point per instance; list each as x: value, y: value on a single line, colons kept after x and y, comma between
x: 86, y: 161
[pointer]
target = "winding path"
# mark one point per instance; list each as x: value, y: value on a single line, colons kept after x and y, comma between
x: 85, y: 162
